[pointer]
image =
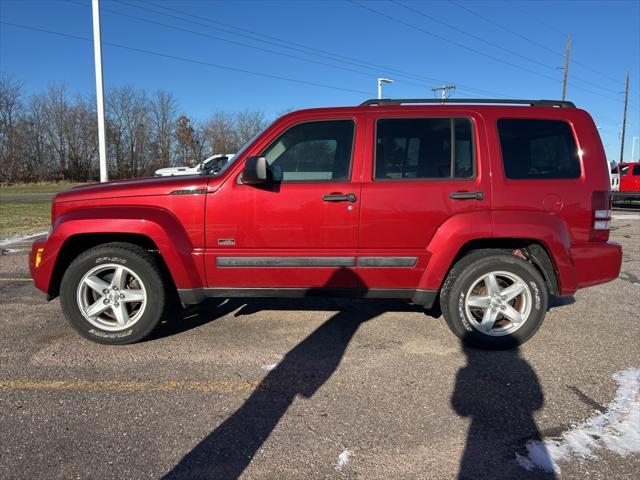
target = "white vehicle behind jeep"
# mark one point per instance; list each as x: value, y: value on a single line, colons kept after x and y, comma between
x: 210, y: 165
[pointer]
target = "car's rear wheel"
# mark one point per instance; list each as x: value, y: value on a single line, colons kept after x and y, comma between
x: 493, y: 299
x: 113, y: 293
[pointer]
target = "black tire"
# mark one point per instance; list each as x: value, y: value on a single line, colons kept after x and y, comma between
x: 138, y: 260
x: 462, y: 277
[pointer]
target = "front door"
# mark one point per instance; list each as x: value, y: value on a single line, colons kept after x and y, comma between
x: 299, y: 230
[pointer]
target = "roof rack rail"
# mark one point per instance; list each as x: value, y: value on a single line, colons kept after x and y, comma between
x: 533, y: 103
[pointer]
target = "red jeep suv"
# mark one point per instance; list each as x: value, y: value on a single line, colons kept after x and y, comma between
x: 481, y: 207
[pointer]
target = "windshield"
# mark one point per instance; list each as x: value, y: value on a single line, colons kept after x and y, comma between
x: 238, y: 154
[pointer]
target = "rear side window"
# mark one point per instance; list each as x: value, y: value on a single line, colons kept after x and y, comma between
x: 636, y: 170
x: 538, y: 149
x: 423, y: 148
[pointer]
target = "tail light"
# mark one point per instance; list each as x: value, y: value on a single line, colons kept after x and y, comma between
x: 601, y: 216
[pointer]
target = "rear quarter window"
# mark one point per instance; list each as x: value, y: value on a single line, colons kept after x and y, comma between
x: 538, y: 149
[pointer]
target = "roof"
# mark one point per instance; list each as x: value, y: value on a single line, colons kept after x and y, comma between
x: 468, y: 101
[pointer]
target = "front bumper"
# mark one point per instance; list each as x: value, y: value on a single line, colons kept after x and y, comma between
x: 40, y: 265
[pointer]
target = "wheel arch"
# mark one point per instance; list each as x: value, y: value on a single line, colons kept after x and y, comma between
x: 154, y: 229
x: 533, y: 250
x: 548, y: 250
x: 79, y: 243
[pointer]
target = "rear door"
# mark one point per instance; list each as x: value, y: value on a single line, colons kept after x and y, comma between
x: 419, y: 172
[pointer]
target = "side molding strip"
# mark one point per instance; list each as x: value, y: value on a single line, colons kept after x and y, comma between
x: 387, y: 261
x: 316, y: 262
x: 285, y: 261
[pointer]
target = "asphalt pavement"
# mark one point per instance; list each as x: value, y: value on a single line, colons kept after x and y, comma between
x: 322, y: 388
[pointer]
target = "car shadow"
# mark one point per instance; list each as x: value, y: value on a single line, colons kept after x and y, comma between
x: 180, y: 320
x: 499, y: 392
x: 556, y: 302
x: 231, y: 446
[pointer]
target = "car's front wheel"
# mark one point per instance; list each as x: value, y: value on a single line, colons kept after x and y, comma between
x: 493, y: 299
x: 113, y: 293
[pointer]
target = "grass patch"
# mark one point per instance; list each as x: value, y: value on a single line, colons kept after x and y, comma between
x: 22, y: 218
x: 36, y: 187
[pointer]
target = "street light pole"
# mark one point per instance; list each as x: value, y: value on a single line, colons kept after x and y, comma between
x: 633, y: 148
x: 97, y: 51
x: 380, y: 82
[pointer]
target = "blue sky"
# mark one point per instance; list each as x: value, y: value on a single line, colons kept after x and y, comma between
x: 487, y: 48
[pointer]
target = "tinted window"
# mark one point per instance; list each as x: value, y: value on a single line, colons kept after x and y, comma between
x: 538, y: 149
x: 415, y: 148
x: 636, y: 170
x: 312, y: 151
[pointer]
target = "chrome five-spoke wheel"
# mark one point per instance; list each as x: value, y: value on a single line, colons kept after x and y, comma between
x: 498, y: 303
x: 111, y: 297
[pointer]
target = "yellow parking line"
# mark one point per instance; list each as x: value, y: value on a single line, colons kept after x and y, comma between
x: 222, y: 386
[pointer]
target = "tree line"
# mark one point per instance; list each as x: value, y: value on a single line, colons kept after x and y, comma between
x: 53, y: 135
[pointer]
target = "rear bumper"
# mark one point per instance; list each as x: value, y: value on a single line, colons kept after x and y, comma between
x: 622, y: 196
x: 596, y: 263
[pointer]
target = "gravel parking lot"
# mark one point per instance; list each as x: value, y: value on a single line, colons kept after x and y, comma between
x: 322, y: 389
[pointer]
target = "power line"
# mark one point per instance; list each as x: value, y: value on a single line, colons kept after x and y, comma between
x: 308, y: 50
x: 517, y: 34
x: 189, y: 60
x: 492, y: 44
x: 233, y: 42
x: 471, y: 49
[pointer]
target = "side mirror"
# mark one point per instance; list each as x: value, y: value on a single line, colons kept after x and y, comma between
x: 255, y: 171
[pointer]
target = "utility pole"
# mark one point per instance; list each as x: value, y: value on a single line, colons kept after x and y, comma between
x: 380, y: 82
x: 97, y: 51
x: 566, y: 68
x: 443, y: 90
x: 624, y: 119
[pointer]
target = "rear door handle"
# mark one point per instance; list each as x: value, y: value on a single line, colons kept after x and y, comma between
x: 340, y: 197
x: 466, y: 196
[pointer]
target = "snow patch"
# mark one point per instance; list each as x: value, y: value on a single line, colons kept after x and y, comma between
x: 524, y: 462
x: 7, y: 251
x: 269, y: 367
x: 24, y: 238
x: 625, y: 217
x: 343, y: 459
x: 617, y: 429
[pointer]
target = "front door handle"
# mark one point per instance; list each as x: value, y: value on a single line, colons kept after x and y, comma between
x: 466, y: 196
x: 340, y: 197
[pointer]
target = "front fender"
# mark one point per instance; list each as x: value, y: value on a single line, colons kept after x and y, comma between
x: 159, y: 225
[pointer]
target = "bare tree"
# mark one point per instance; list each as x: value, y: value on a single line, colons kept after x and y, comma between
x: 127, y: 122
x: 163, y: 118
x: 189, y: 142
x: 10, y: 112
x: 53, y: 135
x: 219, y: 133
x: 248, y: 123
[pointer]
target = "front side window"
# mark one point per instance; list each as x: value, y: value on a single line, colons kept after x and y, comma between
x: 313, y: 151
x: 538, y: 149
x: 423, y: 148
x: 636, y: 170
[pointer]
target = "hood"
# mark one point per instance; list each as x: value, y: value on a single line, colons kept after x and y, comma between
x: 135, y: 188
